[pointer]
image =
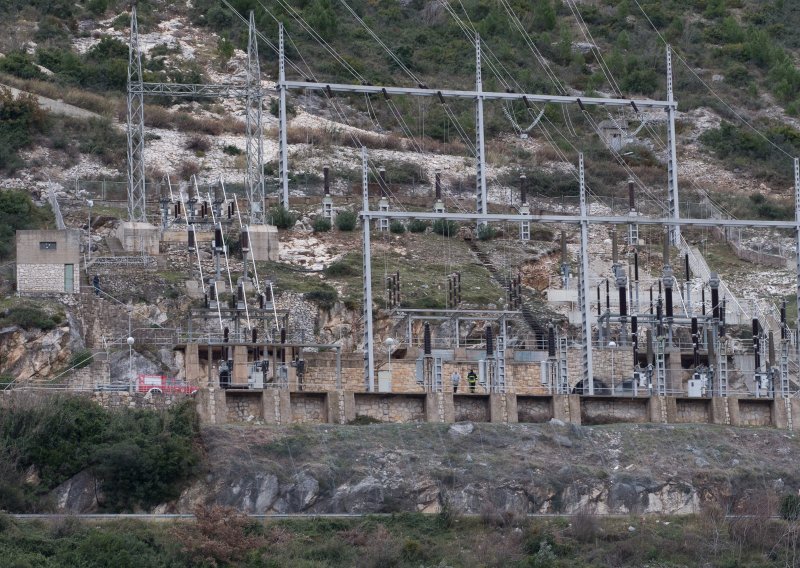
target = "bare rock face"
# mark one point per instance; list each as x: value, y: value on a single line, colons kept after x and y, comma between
x: 77, y: 495
x: 35, y: 354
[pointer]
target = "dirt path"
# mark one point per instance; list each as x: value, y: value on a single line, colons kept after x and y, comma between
x: 57, y: 107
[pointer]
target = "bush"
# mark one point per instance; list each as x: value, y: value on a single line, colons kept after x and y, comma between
x: 397, y: 227
x: 29, y: 316
x: 324, y: 297
x: 188, y: 169
x: 80, y: 359
x: 445, y: 227
x: 346, y: 220
x: 486, y: 232
x: 198, y: 144
x: 139, y: 457
x: 17, y: 211
x: 790, y: 507
x: 232, y: 150
x: 340, y: 268
x: 282, y: 217
x: 417, y: 226
x: 321, y: 225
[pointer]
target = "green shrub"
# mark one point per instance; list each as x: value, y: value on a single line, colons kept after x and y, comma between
x: 486, y: 232
x: 321, y: 225
x: 324, y: 297
x: 231, y: 150
x: 346, y: 220
x: 790, y: 507
x: 445, y: 227
x: 282, y: 217
x: 340, y: 268
x: 80, y: 359
x: 29, y: 316
x: 397, y: 227
x: 139, y: 457
x: 417, y: 226
x: 19, y: 64
x: 17, y: 211
x: 20, y: 119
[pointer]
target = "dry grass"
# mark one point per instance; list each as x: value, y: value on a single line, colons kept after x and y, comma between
x: 106, y: 105
x: 327, y: 137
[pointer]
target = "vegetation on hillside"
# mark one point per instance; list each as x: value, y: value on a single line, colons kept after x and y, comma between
x: 140, y: 458
x: 18, y: 212
x: 221, y: 537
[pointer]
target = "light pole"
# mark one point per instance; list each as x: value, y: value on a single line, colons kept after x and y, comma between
x: 613, y: 346
x: 130, y: 361
x: 89, y: 229
x: 389, y: 343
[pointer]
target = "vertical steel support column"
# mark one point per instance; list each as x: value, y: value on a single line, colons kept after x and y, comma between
x: 586, y: 323
x: 672, y: 168
x: 797, y: 233
x: 369, y: 355
x: 480, y: 178
x: 136, y: 182
x: 254, y: 130
x: 283, y: 148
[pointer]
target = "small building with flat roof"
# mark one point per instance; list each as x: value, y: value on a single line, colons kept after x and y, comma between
x: 48, y: 261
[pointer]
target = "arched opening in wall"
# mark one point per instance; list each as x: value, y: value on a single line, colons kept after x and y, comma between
x: 600, y: 388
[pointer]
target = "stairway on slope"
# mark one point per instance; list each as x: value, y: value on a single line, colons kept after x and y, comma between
x: 527, y: 310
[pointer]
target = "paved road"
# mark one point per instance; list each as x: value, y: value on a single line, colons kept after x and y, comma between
x: 188, y: 517
x: 56, y: 107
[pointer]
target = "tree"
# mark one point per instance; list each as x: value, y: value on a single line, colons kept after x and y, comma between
x: 322, y: 18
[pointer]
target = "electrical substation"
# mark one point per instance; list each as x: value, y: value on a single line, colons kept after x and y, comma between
x: 659, y: 341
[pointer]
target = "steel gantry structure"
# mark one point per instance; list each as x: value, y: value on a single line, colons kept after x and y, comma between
x: 583, y: 220
x: 251, y: 91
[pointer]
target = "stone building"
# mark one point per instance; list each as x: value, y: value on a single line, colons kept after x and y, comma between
x: 48, y: 261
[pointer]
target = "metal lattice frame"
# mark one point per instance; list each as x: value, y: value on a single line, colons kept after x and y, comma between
x: 252, y: 93
x: 369, y: 338
x: 586, y: 311
x: 255, y: 140
x: 283, y: 146
x: 480, y: 152
x: 672, y: 166
x: 136, y: 180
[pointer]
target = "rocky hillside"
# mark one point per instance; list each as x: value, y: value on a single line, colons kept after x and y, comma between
x: 487, y: 469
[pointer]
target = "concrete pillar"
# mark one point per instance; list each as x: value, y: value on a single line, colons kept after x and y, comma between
x: 720, y: 413
x: 349, y: 398
x: 194, y: 375
x: 662, y: 409
x: 733, y: 410
x: 239, y: 375
x: 780, y: 413
x: 567, y: 408
x: 503, y: 407
x: 439, y: 407
x: 211, y: 406
x: 334, y: 402
x: 264, y: 242
x: 674, y: 371
x: 277, y: 406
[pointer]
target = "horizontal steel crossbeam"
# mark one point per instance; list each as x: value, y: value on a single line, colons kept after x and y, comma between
x: 191, y: 90
x: 485, y: 95
x: 576, y: 219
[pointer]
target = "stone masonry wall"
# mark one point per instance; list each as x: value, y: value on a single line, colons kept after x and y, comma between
x: 116, y: 400
x: 610, y: 411
x: 394, y: 408
x: 44, y: 278
x: 693, y: 411
x: 471, y: 408
x: 308, y: 408
x: 755, y: 413
x: 531, y: 409
x: 244, y: 407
